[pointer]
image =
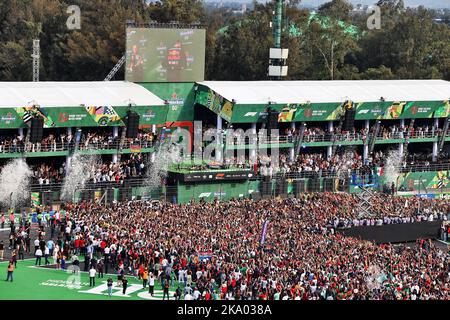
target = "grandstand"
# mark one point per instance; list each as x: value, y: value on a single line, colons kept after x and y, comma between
x: 170, y: 186
x: 410, y: 116
x: 223, y: 188
x: 341, y: 145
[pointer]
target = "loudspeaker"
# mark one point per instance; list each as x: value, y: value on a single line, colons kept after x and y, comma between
x: 314, y: 184
x: 349, y: 119
x: 132, y: 124
x: 47, y: 198
x: 125, y: 194
x: 266, y: 188
x: 109, y: 195
x: 37, y: 130
x: 282, y: 186
x: 299, y: 186
x: 272, y: 119
x: 171, y: 192
x: 329, y: 184
x: 87, y: 195
x: 255, y: 196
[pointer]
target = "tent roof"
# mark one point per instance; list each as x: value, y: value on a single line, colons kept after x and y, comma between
x: 280, y: 92
x: 65, y: 94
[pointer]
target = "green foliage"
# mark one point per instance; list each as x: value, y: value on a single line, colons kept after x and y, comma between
x: 409, y: 44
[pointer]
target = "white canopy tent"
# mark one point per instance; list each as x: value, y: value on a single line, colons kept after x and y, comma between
x: 280, y: 92
x: 65, y: 94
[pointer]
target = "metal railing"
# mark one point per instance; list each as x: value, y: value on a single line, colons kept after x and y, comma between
x: 115, y: 145
x: 142, y: 180
x: 84, y: 146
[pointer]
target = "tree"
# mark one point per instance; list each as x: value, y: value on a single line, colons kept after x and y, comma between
x: 332, y: 44
x: 336, y: 9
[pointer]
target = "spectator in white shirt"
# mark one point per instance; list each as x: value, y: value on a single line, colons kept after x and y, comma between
x: 92, y: 273
x: 38, y: 255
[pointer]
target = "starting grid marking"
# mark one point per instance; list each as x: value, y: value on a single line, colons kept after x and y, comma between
x: 73, y: 282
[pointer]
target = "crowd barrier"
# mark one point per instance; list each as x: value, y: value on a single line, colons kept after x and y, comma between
x: 395, y: 233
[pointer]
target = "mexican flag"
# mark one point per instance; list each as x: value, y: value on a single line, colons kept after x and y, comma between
x: 379, y: 171
x: 135, y: 148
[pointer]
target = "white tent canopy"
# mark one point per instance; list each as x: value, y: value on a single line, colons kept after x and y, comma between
x: 65, y: 94
x: 280, y: 92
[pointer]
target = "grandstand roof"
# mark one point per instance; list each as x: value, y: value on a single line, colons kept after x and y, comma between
x: 70, y: 94
x: 261, y: 92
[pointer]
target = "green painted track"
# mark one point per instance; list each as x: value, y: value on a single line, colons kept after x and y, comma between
x: 34, y: 283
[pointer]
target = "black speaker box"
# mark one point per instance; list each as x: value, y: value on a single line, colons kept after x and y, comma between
x: 266, y: 188
x: 255, y: 196
x: 47, y: 198
x: 132, y: 124
x: 329, y: 185
x: 349, y: 120
x: 110, y: 195
x: 37, y: 130
x: 299, y: 186
x: 282, y: 186
x: 314, y: 185
x: 272, y: 119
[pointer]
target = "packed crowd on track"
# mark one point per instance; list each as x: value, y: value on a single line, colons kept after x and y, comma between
x: 219, y: 250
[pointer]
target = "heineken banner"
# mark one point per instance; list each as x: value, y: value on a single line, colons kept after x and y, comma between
x: 180, y: 99
x: 90, y: 116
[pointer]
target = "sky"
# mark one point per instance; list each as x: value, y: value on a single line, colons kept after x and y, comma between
x: 427, y: 3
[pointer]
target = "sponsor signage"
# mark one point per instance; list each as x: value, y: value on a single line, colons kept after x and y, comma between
x: 204, y: 176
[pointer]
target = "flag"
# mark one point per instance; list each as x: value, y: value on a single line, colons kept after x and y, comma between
x: 441, y: 183
x: 27, y: 116
x: 264, y: 231
x: 135, y: 148
x: 379, y: 171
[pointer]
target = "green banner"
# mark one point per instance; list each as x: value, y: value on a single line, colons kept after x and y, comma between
x: 443, y: 111
x: 420, y: 109
x: 371, y: 110
x: 418, y: 181
x: 248, y: 113
x: 180, y: 99
x: 59, y: 117
x: 10, y: 119
x: 215, y: 102
x: 35, y: 199
x: 402, y: 110
x: 318, y: 112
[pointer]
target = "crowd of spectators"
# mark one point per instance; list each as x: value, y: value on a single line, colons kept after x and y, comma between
x: 339, y: 164
x: 318, y: 134
x: 215, y: 250
x: 62, y: 141
x: 133, y: 166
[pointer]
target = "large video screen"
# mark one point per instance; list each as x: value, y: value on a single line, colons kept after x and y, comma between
x: 165, y: 55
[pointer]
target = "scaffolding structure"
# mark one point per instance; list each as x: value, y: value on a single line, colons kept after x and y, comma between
x: 36, y: 59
